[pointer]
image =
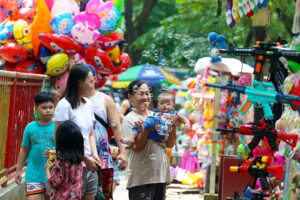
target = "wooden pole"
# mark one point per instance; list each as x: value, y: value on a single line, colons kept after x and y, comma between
x: 212, y: 178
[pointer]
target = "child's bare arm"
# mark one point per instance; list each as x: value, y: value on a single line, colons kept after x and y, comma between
x: 185, y: 121
x: 22, y: 156
x: 48, y: 174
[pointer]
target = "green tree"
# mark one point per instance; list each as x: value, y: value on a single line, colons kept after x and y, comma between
x: 175, y: 32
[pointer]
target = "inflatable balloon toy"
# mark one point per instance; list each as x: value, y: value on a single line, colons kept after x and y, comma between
x: 100, y: 80
x: 41, y: 24
x: 98, y: 59
x: 88, y: 22
x: 61, y: 6
x: 216, y: 41
x: 84, y: 34
x: 108, y: 22
x: 22, y: 34
x: 125, y: 63
x: 62, y: 23
x: 45, y: 54
x: 14, y: 10
x: 99, y: 7
x: 6, y: 32
x: 12, y: 52
x: 57, y: 64
x: 60, y: 82
x: 114, y: 54
x: 25, y: 13
x: 60, y: 43
x: 77, y: 59
x: 108, y: 42
x: 29, y: 66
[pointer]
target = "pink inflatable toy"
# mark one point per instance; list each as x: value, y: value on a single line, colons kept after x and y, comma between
x: 61, y: 6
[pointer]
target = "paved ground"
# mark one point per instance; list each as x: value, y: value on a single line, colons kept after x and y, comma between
x: 174, y: 191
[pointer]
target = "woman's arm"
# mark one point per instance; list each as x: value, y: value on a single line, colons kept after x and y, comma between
x: 114, y: 121
x: 94, y: 151
x: 124, y: 106
x: 141, y: 138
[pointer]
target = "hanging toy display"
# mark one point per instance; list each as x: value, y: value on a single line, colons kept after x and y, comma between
x: 240, y: 10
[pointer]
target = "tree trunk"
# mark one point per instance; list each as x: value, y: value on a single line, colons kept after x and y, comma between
x: 143, y: 16
x: 135, y: 28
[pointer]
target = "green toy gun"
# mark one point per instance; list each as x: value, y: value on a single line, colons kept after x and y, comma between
x: 261, y: 95
x: 263, y: 51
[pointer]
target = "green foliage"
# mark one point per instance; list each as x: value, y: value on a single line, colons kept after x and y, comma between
x: 176, y: 32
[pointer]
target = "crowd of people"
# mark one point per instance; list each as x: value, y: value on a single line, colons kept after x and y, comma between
x: 82, y: 127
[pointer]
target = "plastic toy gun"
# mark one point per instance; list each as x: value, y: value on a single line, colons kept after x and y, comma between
x: 263, y: 130
x: 258, y: 169
x: 261, y: 95
x: 263, y: 51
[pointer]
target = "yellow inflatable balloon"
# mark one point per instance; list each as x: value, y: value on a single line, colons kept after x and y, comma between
x: 114, y: 54
x: 22, y: 34
x: 57, y: 64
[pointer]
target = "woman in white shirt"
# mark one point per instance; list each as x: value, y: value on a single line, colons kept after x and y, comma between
x: 75, y: 107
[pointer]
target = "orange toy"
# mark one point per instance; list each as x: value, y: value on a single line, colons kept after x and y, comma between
x: 41, y: 24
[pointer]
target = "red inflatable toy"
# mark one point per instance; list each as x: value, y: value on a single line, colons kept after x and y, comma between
x: 101, y: 80
x: 60, y: 43
x: 12, y: 52
x: 98, y: 59
x: 29, y: 66
x: 295, y: 91
x: 124, y: 64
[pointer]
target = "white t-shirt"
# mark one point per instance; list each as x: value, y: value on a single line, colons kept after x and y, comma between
x: 83, y: 116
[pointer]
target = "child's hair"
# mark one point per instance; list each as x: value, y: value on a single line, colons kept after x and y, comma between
x: 167, y: 94
x: 43, y: 97
x: 69, y: 142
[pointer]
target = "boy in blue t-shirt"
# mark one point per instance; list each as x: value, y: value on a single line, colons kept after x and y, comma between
x: 38, y: 137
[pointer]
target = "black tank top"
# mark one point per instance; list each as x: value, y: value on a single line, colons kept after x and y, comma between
x: 129, y: 109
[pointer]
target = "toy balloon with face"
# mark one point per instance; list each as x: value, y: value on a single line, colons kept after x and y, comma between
x: 12, y: 52
x: 28, y: 66
x: 98, y: 59
x: 60, y: 82
x: 22, y: 34
x: 57, y: 64
x: 62, y: 23
x: 60, y: 43
x: 83, y: 34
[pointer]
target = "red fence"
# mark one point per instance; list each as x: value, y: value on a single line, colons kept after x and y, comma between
x: 22, y: 90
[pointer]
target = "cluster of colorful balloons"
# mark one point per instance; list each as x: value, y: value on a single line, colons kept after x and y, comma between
x: 49, y: 36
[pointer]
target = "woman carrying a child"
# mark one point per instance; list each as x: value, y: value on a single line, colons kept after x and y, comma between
x: 148, y: 166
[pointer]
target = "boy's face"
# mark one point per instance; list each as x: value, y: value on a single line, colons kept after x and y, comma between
x: 45, y: 110
x: 166, y: 103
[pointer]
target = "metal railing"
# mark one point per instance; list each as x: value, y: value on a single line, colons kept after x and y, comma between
x: 16, y: 107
